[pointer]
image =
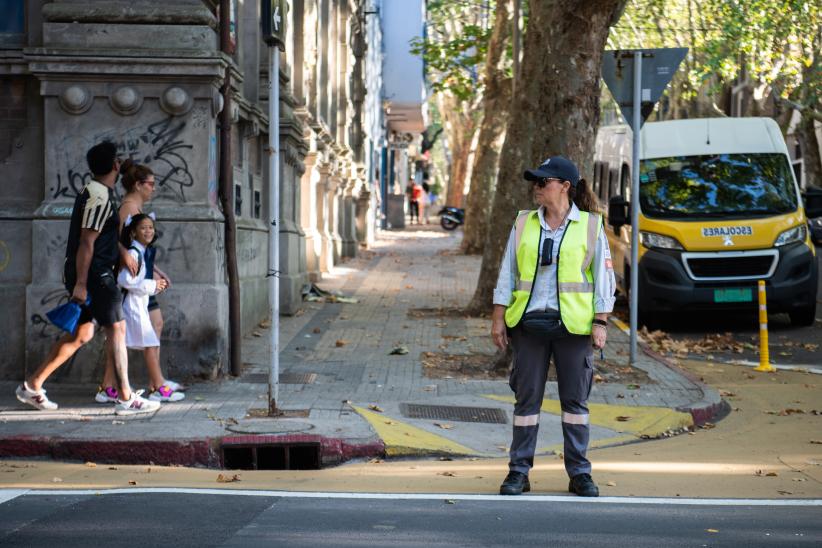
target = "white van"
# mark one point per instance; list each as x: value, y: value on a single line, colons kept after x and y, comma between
x: 719, y: 209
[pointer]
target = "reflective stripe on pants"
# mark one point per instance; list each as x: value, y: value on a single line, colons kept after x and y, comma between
x: 574, y: 361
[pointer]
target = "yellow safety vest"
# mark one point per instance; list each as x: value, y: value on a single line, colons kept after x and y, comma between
x: 575, y: 276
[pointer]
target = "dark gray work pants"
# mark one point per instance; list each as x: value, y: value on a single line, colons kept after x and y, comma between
x: 574, y: 360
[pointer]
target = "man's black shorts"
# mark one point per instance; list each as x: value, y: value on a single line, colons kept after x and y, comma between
x: 106, y: 306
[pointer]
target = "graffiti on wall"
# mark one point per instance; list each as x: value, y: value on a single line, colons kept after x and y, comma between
x: 160, y: 145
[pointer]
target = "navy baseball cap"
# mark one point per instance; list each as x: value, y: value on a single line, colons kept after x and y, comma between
x: 555, y: 167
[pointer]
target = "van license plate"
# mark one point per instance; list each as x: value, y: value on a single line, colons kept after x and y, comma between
x: 733, y: 295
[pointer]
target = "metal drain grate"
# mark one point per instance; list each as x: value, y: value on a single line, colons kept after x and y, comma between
x: 285, y: 378
x: 452, y: 413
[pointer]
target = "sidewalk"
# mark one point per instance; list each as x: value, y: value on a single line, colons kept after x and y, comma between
x: 346, y: 397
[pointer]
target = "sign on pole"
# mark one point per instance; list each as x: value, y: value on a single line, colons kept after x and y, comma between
x: 272, y: 14
x: 636, y: 79
x: 658, y: 67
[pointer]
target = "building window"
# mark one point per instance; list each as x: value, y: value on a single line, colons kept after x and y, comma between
x: 12, y: 22
x: 238, y: 200
x: 258, y: 204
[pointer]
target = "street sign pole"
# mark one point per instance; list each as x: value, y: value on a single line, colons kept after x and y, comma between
x: 653, y: 69
x: 637, y: 124
x: 273, y: 14
x: 274, y: 228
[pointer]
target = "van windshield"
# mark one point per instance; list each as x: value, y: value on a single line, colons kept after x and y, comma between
x: 721, y: 185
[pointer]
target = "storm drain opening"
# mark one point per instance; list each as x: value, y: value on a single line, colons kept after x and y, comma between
x: 297, y: 456
x: 488, y: 415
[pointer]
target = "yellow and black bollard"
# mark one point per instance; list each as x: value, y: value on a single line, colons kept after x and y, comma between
x: 764, y: 355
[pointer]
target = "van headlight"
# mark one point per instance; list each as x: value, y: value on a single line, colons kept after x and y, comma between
x: 652, y: 239
x: 795, y: 234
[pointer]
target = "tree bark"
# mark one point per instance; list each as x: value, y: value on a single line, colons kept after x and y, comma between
x: 806, y: 134
x: 496, y: 102
x: 555, y: 112
x: 460, y: 131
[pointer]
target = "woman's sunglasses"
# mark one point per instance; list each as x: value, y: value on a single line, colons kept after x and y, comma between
x: 542, y: 183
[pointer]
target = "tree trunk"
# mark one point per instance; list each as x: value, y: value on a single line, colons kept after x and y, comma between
x: 555, y: 112
x: 810, y: 151
x: 496, y: 102
x: 460, y: 134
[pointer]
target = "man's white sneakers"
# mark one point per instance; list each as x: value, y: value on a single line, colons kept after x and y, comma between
x: 36, y: 399
x: 136, y: 405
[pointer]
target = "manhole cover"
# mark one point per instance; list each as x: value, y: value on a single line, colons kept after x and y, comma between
x: 453, y: 413
x: 269, y: 426
x: 285, y: 378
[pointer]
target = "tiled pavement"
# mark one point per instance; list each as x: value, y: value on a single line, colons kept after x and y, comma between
x: 398, y: 284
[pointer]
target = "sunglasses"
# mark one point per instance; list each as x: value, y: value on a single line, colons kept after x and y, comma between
x: 542, y: 183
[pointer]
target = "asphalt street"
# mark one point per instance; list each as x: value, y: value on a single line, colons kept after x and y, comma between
x: 207, y: 519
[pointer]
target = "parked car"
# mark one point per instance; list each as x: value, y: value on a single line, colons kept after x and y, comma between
x: 813, y: 202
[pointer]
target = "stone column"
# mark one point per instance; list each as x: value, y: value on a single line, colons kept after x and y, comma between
x: 309, y: 216
x: 325, y: 215
x: 334, y: 196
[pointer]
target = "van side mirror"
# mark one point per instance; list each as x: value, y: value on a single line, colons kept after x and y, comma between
x: 618, y: 211
x: 813, y: 202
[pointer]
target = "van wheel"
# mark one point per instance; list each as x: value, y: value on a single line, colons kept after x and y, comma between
x: 803, y: 317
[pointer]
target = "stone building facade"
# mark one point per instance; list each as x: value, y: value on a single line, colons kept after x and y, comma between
x: 147, y: 75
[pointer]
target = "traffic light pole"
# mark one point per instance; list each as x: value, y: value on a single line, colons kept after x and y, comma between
x: 634, y: 201
x: 274, y: 227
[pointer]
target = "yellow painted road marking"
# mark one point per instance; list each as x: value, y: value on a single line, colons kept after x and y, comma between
x: 622, y: 326
x: 643, y: 421
x: 593, y: 444
x: 403, y: 439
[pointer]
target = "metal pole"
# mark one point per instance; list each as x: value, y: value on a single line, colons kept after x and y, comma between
x: 274, y: 227
x: 634, y: 201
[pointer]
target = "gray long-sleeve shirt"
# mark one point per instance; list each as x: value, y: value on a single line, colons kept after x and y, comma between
x: 544, y: 295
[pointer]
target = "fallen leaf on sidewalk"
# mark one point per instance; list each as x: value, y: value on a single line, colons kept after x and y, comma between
x: 198, y: 398
x: 257, y: 334
x: 623, y: 418
x: 799, y: 479
x: 708, y: 426
x: 450, y: 501
x: 409, y: 287
x: 113, y: 468
x: 445, y: 459
x: 376, y: 408
x: 633, y: 387
x: 760, y: 473
x: 91, y: 464
x: 444, y: 426
x: 398, y: 351
x: 816, y: 442
x: 781, y: 492
x: 228, y: 479
x: 316, y: 330
x: 390, y: 422
x: 265, y: 324
x: 56, y: 480
x: 132, y: 482
x: 117, y: 422
x: 712, y: 530
x: 448, y: 474
x: 340, y: 342
x: 375, y: 461
x: 611, y: 484
x: 726, y: 394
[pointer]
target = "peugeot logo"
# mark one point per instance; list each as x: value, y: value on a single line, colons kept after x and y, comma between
x: 727, y: 240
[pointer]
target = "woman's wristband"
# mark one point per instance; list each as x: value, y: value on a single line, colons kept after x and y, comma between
x: 601, y: 327
x: 603, y: 323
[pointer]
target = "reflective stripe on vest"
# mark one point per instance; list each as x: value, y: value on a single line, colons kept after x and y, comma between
x: 575, y: 273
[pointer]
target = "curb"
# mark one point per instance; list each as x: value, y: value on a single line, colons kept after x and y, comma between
x: 202, y: 453
x: 710, y: 408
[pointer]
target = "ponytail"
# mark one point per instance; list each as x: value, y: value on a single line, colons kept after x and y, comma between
x: 583, y: 197
x: 133, y: 173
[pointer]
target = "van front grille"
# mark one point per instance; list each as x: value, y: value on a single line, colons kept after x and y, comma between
x: 731, y: 267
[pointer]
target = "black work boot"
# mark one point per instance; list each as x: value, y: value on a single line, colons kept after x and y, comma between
x: 515, y: 483
x: 583, y: 485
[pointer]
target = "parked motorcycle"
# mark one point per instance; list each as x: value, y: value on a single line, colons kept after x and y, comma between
x: 451, y: 217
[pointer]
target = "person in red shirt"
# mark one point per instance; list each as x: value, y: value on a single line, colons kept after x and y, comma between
x: 416, y: 199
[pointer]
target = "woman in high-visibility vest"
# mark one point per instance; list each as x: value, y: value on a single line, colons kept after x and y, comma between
x: 555, y: 289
